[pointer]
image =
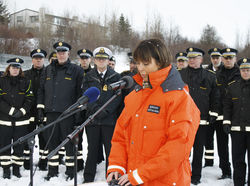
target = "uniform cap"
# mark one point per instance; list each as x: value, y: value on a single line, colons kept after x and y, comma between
x: 84, y: 53
x: 102, y: 52
x: 229, y: 52
x: 194, y: 52
x: 62, y: 46
x: 214, y: 52
x: 15, y: 62
x: 38, y: 53
x: 244, y: 63
x: 52, y: 54
x: 181, y: 56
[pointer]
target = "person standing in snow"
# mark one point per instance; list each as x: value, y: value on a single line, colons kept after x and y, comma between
x: 155, y: 132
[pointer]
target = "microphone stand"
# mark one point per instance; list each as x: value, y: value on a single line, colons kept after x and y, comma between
x: 30, y: 137
x: 74, y: 134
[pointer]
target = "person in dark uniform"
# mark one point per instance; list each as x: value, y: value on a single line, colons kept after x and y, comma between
x: 52, y: 56
x: 61, y: 152
x: 85, y: 59
x: 203, y: 90
x: 181, y: 60
x: 16, y: 99
x: 60, y: 87
x: 102, y: 127
x: 228, y: 73
x: 214, y: 66
x: 112, y: 62
x: 237, y: 121
x: 34, y: 75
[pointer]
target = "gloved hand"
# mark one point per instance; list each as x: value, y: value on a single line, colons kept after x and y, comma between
x: 227, y: 128
x: 102, y: 114
x: 17, y: 114
x: 212, y: 120
x: 40, y: 115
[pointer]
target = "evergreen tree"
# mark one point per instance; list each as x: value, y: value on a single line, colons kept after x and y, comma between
x: 124, y: 30
x: 4, y: 14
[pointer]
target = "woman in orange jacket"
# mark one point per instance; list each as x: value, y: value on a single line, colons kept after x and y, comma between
x: 156, y: 130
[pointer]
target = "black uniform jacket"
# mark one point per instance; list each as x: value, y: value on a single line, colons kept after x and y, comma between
x: 224, y: 77
x: 60, y: 86
x: 15, y: 92
x: 34, y: 75
x: 203, y: 90
x: 236, y: 109
x: 93, y: 79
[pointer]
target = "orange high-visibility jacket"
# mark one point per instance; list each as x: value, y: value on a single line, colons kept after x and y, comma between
x: 155, y: 132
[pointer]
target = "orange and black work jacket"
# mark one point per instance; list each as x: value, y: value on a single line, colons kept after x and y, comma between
x: 154, y: 135
x: 237, y: 106
x: 15, y: 94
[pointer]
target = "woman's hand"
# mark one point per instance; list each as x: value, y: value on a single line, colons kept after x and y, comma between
x: 123, y: 180
x: 113, y: 175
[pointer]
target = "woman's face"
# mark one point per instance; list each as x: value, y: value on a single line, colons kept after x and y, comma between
x: 14, y: 71
x: 144, y: 68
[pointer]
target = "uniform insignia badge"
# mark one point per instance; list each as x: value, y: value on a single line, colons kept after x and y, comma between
x: 38, y: 50
x: 60, y: 44
x: 84, y: 51
x: 181, y: 54
x: 105, y: 88
x: 228, y: 49
x: 102, y: 50
x: 17, y: 60
x: 191, y: 49
x: 215, y: 49
x: 244, y: 60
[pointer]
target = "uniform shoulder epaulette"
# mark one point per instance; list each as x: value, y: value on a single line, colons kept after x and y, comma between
x: 211, y: 71
x: 230, y: 83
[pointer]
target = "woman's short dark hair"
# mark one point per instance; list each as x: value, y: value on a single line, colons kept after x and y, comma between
x: 153, y: 48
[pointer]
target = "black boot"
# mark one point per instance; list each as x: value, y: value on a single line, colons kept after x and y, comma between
x: 26, y: 164
x: 6, y: 173
x: 80, y: 165
x: 69, y: 173
x: 53, y: 172
x: 42, y: 164
x: 16, y: 171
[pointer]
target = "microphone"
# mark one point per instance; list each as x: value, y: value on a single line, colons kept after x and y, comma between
x: 126, y: 82
x: 90, y: 95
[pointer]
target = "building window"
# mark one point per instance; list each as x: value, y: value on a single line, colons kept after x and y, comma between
x: 34, y: 19
x: 19, y: 18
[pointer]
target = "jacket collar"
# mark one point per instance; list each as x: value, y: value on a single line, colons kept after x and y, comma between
x: 168, y: 78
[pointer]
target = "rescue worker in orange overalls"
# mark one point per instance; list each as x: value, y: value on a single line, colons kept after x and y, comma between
x: 155, y: 132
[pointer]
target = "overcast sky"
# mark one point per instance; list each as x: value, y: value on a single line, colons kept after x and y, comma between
x: 229, y: 17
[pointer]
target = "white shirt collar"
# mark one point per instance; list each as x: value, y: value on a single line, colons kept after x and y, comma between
x: 103, y: 73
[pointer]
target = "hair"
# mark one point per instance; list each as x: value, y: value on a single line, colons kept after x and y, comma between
x: 153, y: 48
x: 7, y: 72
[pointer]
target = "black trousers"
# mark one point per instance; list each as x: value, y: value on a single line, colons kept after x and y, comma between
x: 62, y: 129
x: 8, y: 135
x: 240, y: 144
x: 199, y: 143
x: 96, y: 134
x: 42, y: 142
x: 209, y: 146
x: 222, y: 146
